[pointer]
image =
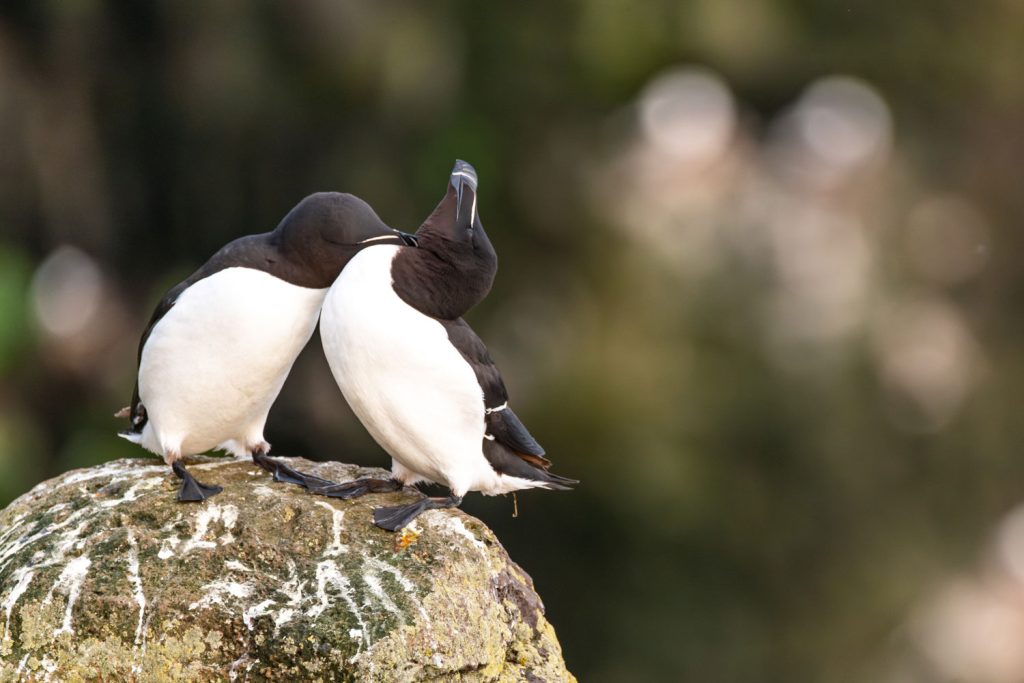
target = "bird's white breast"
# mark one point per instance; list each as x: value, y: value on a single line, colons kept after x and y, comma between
x: 214, y: 364
x: 405, y: 381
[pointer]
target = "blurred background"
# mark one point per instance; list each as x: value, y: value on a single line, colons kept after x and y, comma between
x: 760, y: 287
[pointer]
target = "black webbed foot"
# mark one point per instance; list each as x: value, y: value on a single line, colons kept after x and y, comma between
x: 192, y: 491
x: 288, y: 475
x: 359, y: 487
x: 396, y: 517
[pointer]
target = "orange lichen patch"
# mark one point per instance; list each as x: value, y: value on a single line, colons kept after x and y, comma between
x: 406, y: 537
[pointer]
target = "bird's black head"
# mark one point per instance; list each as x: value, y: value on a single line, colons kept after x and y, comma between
x: 455, y: 224
x: 454, y: 267
x: 326, y: 229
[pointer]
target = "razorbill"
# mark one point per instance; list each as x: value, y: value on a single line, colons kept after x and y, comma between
x: 219, y: 346
x: 415, y: 374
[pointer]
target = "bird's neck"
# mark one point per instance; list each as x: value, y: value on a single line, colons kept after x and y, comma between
x: 443, y: 279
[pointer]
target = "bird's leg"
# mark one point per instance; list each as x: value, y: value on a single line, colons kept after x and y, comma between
x: 284, y: 473
x: 358, y: 487
x: 394, y: 518
x: 192, y: 491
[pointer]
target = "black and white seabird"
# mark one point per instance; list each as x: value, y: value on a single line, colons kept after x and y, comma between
x: 417, y: 376
x: 219, y: 346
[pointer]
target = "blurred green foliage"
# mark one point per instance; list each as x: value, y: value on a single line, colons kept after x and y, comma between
x: 759, y: 276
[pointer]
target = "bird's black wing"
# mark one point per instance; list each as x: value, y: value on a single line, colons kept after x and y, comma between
x: 502, y: 424
x: 465, y: 340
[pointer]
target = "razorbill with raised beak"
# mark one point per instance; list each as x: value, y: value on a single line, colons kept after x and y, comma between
x: 219, y: 346
x: 417, y: 376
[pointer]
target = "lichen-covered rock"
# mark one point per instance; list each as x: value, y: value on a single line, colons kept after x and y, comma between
x: 104, y: 576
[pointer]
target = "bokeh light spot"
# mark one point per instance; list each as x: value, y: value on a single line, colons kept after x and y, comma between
x: 689, y: 113
x: 66, y: 291
x: 843, y: 121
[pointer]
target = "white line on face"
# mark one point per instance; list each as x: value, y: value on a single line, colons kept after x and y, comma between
x: 374, y: 239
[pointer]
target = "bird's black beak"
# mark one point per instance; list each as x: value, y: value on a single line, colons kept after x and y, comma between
x: 409, y: 239
x: 464, y: 182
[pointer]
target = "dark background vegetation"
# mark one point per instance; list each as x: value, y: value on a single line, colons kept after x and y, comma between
x: 760, y: 287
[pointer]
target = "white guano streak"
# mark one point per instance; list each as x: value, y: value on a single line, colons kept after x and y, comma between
x: 373, y: 583
x: 403, y: 581
x: 12, y: 547
x: 225, y: 514
x: 24, y: 578
x: 249, y: 615
x: 133, y: 492
x: 136, y: 580
x: 455, y: 525
x: 117, y: 470
x: 15, y: 523
x: 235, y: 565
x: 327, y: 574
x: 219, y: 590
x: 71, y: 581
x: 337, y: 517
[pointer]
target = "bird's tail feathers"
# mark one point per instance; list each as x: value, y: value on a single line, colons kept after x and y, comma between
x: 554, y: 482
x: 134, y: 437
x: 514, y: 464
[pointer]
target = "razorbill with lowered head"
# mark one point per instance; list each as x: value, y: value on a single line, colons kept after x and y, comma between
x: 219, y: 346
x: 416, y: 375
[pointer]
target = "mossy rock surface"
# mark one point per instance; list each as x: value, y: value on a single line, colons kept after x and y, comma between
x: 105, y: 576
